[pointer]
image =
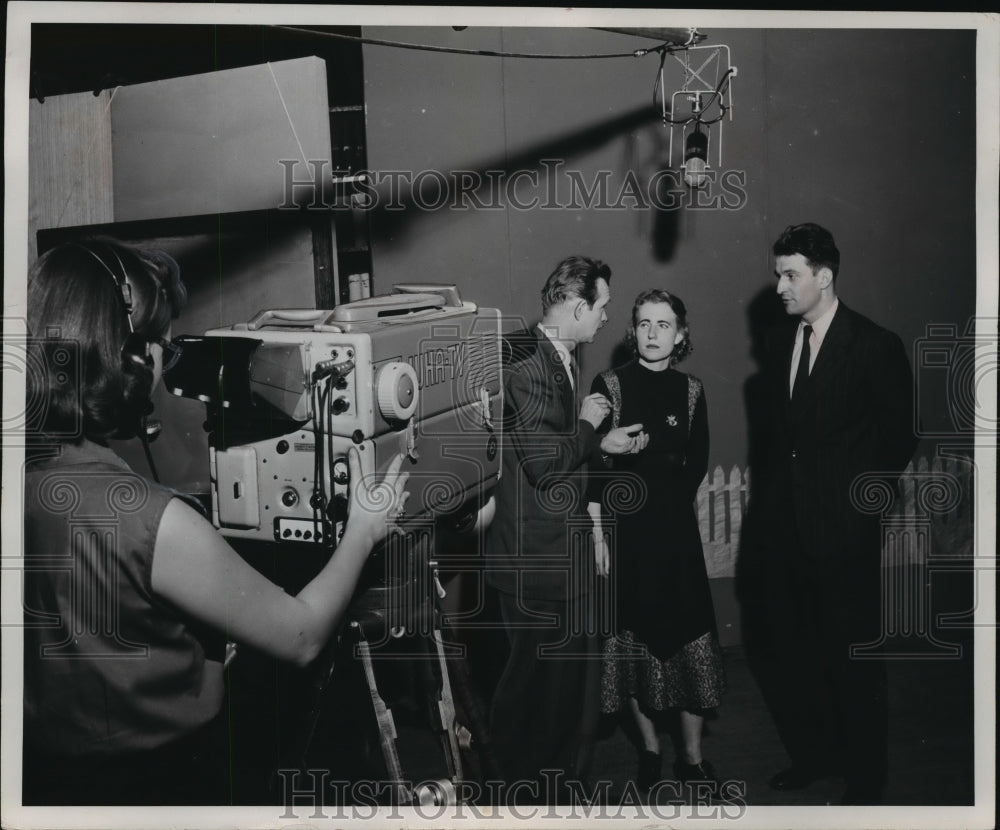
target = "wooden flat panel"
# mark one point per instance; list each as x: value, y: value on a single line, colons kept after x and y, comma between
x: 69, y: 163
x: 213, y: 143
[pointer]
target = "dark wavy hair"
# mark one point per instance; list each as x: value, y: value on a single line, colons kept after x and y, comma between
x: 660, y: 295
x: 84, y: 380
x: 575, y: 276
x: 814, y: 242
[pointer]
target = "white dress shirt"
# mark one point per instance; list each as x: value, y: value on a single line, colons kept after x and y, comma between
x: 820, y: 326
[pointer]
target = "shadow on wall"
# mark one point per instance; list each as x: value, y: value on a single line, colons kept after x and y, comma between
x: 666, y: 223
x: 398, y: 206
x: 764, y: 312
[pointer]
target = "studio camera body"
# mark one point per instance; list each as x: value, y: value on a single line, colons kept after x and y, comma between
x: 288, y: 393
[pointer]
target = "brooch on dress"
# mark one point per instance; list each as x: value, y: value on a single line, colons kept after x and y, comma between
x: 672, y: 420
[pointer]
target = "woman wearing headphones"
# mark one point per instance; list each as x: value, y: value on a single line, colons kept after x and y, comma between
x: 129, y: 592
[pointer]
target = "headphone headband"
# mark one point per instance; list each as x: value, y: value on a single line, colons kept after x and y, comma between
x: 121, y: 283
x: 134, y: 347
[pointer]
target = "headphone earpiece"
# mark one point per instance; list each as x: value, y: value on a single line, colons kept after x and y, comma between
x: 142, y: 361
x: 135, y: 348
x: 136, y: 361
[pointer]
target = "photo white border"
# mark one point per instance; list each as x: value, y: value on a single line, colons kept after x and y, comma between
x: 20, y: 16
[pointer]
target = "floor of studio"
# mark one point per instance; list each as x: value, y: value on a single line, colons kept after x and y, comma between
x: 931, y: 730
x: 930, y: 737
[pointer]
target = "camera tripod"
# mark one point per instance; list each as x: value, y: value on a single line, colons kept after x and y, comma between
x: 399, y: 683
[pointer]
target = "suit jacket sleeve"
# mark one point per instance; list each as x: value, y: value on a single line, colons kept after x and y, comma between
x: 599, y: 476
x: 891, y: 390
x: 545, y: 444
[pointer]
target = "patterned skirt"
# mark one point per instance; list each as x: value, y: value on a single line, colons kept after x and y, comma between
x: 694, y: 678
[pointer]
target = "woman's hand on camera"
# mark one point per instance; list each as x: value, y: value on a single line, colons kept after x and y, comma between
x: 196, y: 570
x: 376, y: 504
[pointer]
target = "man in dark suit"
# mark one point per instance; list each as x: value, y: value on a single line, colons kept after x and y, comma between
x: 538, y: 555
x: 841, y: 401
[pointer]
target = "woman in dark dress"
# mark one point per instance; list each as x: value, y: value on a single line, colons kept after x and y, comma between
x: 664, y: 653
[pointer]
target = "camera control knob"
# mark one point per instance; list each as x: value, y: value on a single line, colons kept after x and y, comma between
x: 397, y: 391
x: 289, y: 498
x: 340, y: 471
x: 337, y: 508
x: 340, y: 405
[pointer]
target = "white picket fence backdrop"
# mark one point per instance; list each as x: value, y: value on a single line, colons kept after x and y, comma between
x: 924, y: 486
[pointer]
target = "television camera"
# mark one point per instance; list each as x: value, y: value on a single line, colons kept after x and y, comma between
x: 416, y: 371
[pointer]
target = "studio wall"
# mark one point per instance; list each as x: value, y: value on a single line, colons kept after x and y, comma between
x: 868, y: 132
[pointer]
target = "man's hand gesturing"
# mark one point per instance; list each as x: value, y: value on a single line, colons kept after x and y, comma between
x: 625, y: 440
x: 595, y: 409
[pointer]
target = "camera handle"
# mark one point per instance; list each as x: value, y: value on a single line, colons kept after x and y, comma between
x: 301, y: 317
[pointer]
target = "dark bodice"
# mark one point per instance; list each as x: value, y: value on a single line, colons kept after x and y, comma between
x: 676, y: 459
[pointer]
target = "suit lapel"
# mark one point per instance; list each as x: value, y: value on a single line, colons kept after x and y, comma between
x: 838, y: 338
x: 556, y: 370
x: 831, y: 357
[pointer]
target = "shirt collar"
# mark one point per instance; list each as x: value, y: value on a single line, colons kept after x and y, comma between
x: 821, y: 324
x: 560, y: 347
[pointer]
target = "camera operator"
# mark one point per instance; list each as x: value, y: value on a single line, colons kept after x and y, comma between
x: 129, y: 591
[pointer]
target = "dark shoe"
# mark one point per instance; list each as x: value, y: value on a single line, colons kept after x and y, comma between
x: 650, y: 764
x: 795, y: 778
x: 702, y: 771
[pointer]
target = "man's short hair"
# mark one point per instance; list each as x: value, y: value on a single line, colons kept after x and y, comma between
x: 814, y: 242
x: 574, y: 277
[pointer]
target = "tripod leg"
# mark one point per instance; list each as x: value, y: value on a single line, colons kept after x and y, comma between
x: 386, y: 725
x: 446, y: 710
x: 469, y: 698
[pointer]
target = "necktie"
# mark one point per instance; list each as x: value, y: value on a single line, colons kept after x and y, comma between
x: 802, y: 372
x: 568, y: 363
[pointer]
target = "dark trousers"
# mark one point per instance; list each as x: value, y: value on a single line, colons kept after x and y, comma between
x: 545, y: 706
x: 830, y: 707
